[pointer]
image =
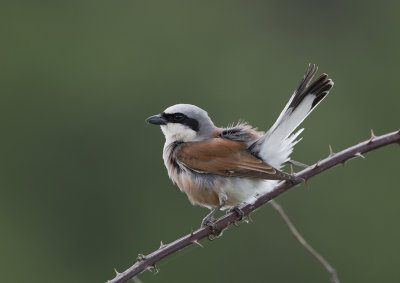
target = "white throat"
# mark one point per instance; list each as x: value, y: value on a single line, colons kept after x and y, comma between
x: 178, y: 132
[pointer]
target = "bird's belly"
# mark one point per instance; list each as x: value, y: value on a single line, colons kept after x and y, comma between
x: 201, y: 191
x: 244, y: 190
x: 198, y: 192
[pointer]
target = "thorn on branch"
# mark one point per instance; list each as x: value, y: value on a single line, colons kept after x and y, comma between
x: 161, y: 245
x: 298, y: 163
x: 116, y: 271
x: 197, y: 243
x: 191, y: 232
x: 316, y: 164
x: 358, y: 154
x: 372, y: 137
x: 331, y: 153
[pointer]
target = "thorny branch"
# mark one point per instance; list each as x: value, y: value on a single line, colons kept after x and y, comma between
x: 303, y: 242
x: 145, y: 262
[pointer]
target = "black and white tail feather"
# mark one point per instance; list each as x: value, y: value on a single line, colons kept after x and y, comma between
x: 276, y: 145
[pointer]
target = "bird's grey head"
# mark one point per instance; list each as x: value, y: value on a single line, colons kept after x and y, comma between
x: 184, y: 122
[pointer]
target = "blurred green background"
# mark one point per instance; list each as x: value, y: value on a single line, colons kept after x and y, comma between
x: 83, y: 185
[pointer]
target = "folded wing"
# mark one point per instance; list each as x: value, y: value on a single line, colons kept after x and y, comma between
x: 228, y: 158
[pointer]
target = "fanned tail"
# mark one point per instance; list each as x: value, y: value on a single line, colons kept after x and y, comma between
x: 277, y: 144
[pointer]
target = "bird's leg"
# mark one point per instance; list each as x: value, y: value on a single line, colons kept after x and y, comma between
x: 208, y: 220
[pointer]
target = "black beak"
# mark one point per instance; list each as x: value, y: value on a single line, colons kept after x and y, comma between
x: 157, y: 120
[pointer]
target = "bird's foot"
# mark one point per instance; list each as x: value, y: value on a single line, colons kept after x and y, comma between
x: 209, y: 221
x: 238, y: 212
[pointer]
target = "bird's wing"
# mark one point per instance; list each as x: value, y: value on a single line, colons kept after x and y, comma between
x: 228, y: 158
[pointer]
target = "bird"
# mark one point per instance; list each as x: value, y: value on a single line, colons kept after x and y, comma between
x: 223, y: 168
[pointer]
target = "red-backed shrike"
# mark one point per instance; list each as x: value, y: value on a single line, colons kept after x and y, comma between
x: 222, y: 168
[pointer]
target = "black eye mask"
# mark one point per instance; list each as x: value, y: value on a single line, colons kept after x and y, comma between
x: 181, y: 118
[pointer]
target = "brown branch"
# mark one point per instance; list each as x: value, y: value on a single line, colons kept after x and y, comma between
x: 303, y: 242
x: 145, y: 262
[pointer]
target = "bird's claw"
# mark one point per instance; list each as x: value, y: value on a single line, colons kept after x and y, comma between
x: 239, y: 213
x: 209, y: 222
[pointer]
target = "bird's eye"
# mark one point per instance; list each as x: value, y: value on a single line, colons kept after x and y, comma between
x: 178, y: 117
